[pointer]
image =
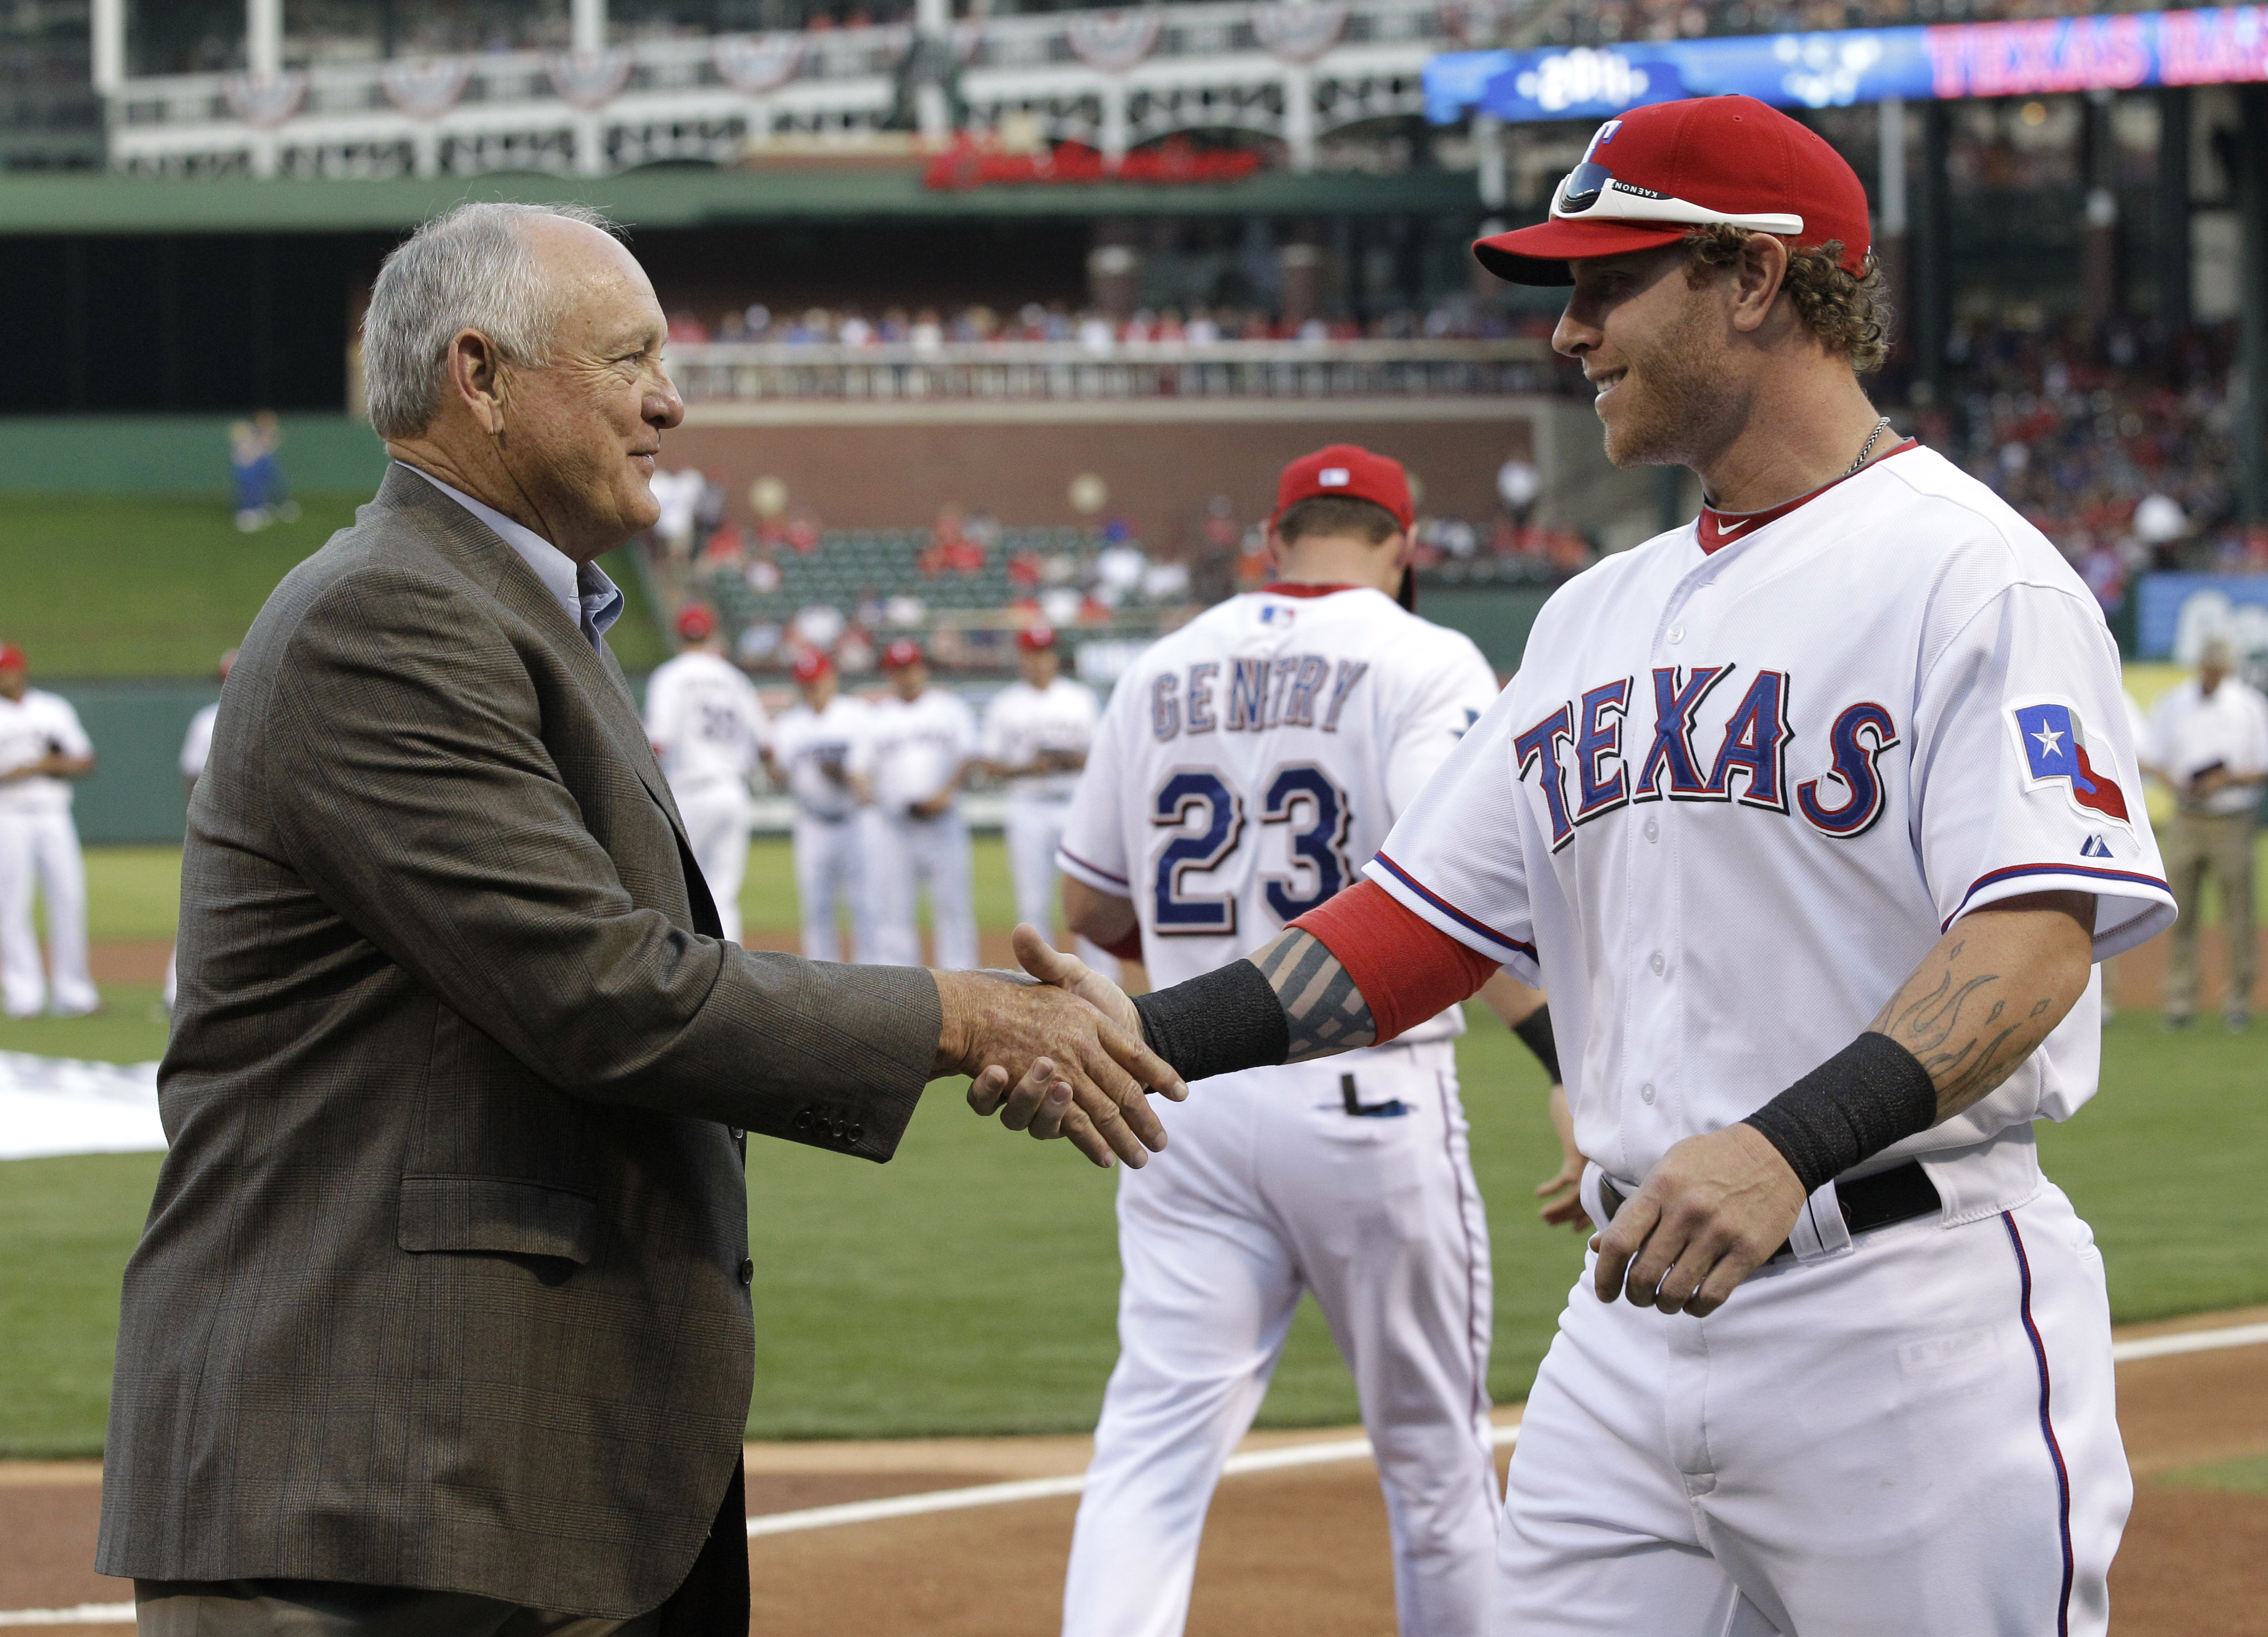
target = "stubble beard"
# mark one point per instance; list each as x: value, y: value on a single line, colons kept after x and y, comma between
x: 1682, y: 404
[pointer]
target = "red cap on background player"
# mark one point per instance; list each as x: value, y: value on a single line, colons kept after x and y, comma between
x: 1655, y: 174
x: 11, y: 658
x: 695, y: 622
x: 1034, y: 639
x: 811, y: 665
x: 904, y: 651
x: 1347, y: 471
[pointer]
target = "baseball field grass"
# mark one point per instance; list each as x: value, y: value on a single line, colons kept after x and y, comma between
x: 969, y: 1286
x: 157, y: 586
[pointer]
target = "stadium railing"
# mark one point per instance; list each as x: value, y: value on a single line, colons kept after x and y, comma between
x: 1010, y: 371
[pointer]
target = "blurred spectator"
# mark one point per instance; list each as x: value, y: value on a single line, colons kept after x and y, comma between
x: 1518, y: 483
x: 679, y: 495
x: 252, y: 456
x: 43, y: 749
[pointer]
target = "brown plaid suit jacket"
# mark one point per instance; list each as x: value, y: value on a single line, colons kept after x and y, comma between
x: 445, y: 1284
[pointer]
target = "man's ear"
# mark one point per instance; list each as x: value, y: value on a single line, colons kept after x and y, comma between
x: 476, y: 377
x: 1758, y: 278
x: 1273, y: 551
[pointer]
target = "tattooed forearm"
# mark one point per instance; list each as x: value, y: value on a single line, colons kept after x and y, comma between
x: 1981, y: 1003
x: 1323, y: 1010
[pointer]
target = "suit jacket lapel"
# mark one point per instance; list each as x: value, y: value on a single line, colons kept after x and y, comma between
x: 495, y: 565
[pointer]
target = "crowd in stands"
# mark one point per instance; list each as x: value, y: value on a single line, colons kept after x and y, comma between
x: 2115, y: 443
x: 1602, y: 22
x: 928, y: 328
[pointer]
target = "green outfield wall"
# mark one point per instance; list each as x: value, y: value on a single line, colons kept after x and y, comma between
x: 177, y: 454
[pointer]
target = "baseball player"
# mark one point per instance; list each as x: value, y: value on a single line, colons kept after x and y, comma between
x: 1036, y: 734
x: 1815, y: 814
x: 1244, y: 766
x: 42, y: 749
x: 707, y: 725
x: 196, y: 751
x: 918, y: 743
x: 809, y: 752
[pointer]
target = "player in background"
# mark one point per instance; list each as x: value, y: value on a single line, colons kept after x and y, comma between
x: 918, y: 743
x: 1036, y: 734
x: 196, y: 751
x: 1243, y: 767
x: 42, y: 749
x: 808, y: 753
x: 707, y: 725
x: 1815, y: 813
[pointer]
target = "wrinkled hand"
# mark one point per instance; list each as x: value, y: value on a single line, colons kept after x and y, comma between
x: 1049, y: 1063
x: 1709, y: 1215
x: 1051, y: 965
x: 1562, y: 1192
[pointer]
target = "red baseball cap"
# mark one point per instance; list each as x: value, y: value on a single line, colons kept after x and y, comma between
x: 1654, y: 173
x: 904, y: 651
x: 811, y: 665
x: 1034, y: 639
x: 12, y: 657
x: 695, y: 622
x: 1347, y: 472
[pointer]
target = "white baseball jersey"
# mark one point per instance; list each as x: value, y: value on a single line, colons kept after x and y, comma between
x: 36, y: 725
x: 812, y: 751
x: 2190, y: 731
x: 705, y: 721
x: 1023, y: 721
x: 1734, y: 796
x: 197, y: 744
x: 911, y: 751
x: 1247, y: 761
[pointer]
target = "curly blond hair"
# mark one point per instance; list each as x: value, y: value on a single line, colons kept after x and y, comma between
x: 1849, y: 313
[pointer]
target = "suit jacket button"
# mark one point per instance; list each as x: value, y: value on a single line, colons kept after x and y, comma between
x: 854, y: 1132
x: 803, y: 1119
x: 748, y: 1271
x: 735, y: 1133
x: 836, y: 1128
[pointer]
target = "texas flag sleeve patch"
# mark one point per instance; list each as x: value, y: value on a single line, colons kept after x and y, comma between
x: 2054, y: 745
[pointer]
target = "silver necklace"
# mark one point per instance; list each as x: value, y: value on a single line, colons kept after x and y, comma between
x: 1868, y: 447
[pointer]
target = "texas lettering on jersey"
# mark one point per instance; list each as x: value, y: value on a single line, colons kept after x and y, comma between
x: 1747, y: 763
x: 1253, y: 696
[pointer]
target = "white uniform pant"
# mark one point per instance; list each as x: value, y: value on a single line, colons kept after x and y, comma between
x: 717, y: 828
x: 830, y: 883
x: 1914, y: 1435
x: 1036, y: 830
x: 41, y: 850
x: 909, y: 854
x: 1269, y: 1187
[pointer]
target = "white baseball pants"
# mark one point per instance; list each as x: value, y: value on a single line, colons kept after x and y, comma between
x: 1913, y: 1435
x: 1271, y: 1187
x: 830, y: 884
x: 717, y: 828
x: 911, y: 854
x: 40, y: 849
x: 1035, y: 831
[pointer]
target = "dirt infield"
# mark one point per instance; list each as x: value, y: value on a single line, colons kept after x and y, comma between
x: 1299, y: 1551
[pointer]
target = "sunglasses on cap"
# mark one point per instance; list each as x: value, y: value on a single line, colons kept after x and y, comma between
x: 1590, y: 193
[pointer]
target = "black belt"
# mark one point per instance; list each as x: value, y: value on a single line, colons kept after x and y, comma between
x: 1898, y: 1195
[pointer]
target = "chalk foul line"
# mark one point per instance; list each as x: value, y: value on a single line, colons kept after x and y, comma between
x: 1275, y: 1460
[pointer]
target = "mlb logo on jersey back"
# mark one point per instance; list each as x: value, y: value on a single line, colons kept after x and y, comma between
x: 2054, y: 744
x: 1277, y: 613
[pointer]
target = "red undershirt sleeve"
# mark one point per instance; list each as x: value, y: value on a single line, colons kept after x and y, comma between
x: 1407, y: 968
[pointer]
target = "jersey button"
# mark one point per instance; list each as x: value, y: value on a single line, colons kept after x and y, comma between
x: 1652, y: 830
x: 1645, y: 1093
x: 1677, y: 633
x: 1657, y: 962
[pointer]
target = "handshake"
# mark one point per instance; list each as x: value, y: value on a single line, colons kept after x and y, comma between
x: 1056, y: 1051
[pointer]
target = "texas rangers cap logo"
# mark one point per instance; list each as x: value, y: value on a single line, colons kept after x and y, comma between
x: 2053, y: 742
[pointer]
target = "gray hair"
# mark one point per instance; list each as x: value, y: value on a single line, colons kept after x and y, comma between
x: 468, y: 269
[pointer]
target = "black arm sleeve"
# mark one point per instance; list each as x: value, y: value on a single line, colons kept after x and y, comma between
x: 1535, y: 1031
x: 1226, y: 1020
x: 1867, y: 1096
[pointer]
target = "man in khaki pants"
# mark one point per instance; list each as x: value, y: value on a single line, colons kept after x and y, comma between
x: 2209, y: 741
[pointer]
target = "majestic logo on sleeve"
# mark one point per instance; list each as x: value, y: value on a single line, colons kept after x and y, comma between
x: 2054, y: 744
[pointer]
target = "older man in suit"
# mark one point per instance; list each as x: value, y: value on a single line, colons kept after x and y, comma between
x: 440, y: 1323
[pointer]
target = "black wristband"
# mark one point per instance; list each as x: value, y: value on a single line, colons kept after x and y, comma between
x: 1867, y: 1096
x: 1227, y: 1019
x: 1535, y: 1032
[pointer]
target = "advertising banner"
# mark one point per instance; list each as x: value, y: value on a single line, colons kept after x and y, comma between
x: 2033, y: 57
